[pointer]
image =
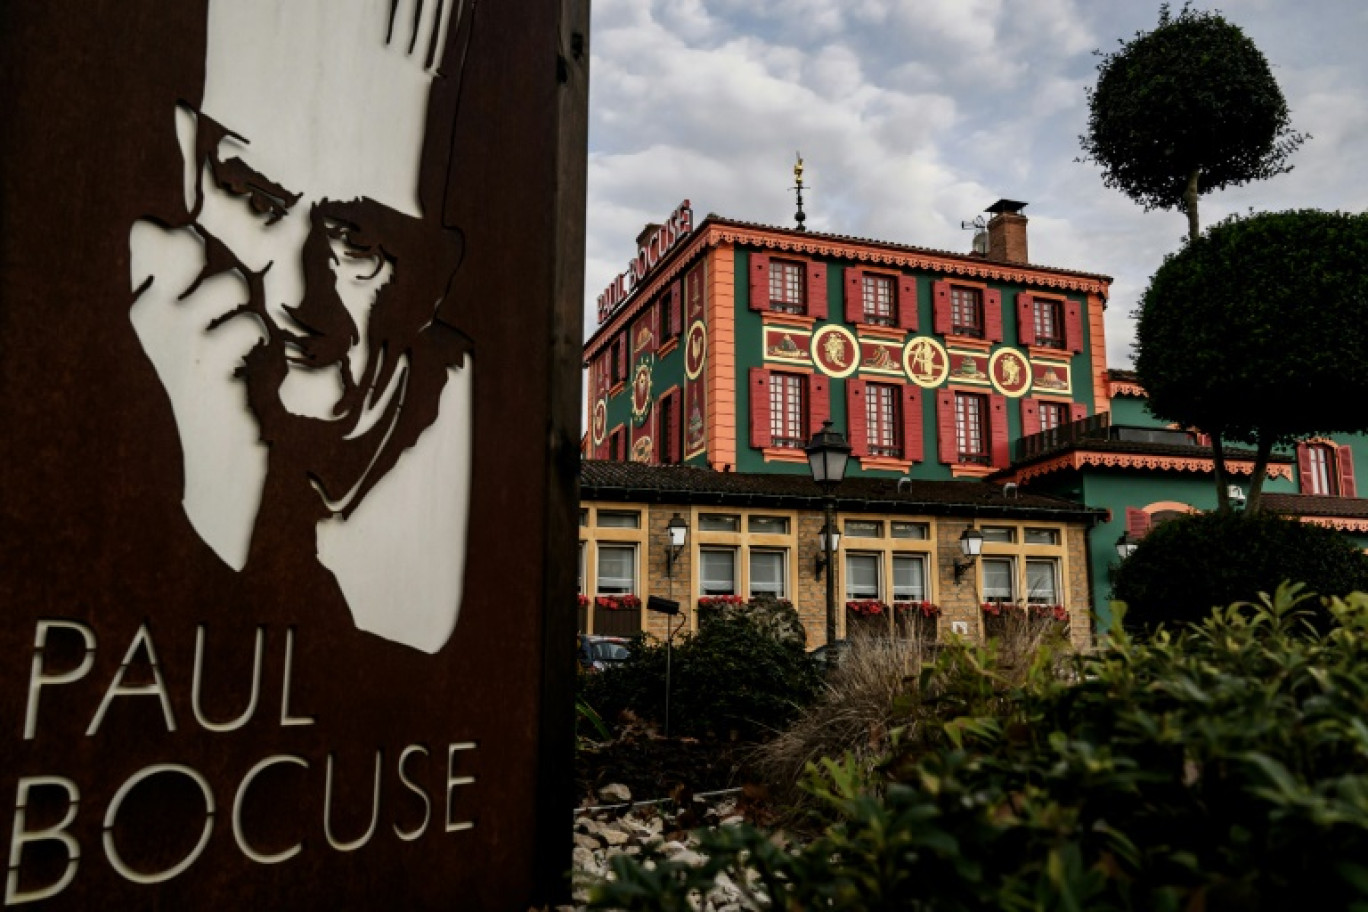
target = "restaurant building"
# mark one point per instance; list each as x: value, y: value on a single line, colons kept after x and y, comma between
x: 974, y: 378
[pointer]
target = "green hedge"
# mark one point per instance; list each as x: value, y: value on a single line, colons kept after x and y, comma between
x: 1185, y: 567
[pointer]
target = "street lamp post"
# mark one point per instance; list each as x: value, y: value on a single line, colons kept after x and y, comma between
x: 827, y: 455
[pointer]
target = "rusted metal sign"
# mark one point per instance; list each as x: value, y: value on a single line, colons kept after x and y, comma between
x: 289, y: 313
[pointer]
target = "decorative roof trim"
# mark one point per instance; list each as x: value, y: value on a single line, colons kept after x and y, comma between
x: 1339, y: 523
x: 1080, y: 459
x: 823, y: 246
x: 1126, y: 388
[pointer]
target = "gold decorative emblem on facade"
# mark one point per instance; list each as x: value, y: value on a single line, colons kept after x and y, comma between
x: 695, y: 350
x: 925, y: 362
x: 834, y: 350
x: 642, y: 450
x: 600, y: 421
x: 1010, y: 372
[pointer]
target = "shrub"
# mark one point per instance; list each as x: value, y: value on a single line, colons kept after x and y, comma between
x: 736, y: 675
x: 1222, y: 767
x: 1185, y: 567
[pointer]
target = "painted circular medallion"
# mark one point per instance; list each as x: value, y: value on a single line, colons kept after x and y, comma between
x: 1010, y: 372
x: 925, y: 362
x: 835, y: 351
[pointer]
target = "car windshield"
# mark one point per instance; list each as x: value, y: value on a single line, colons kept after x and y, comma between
x: 610, y: 652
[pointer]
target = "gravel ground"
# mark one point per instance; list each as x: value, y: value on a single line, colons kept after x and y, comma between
x: 601, y: 833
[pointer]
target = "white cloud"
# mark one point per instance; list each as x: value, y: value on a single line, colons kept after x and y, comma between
x: 914, y: 115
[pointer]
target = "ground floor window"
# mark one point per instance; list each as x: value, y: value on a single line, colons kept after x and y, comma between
x: 862, y: 577
x: 616, y: 569
x: 909, y: 578
x: 768, y: 575
x: 717, y: 571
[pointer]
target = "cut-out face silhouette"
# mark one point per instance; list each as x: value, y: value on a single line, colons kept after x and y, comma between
x: 293, y: 317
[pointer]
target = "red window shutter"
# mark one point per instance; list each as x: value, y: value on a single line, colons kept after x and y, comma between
x: 1077, y: 411
x: 1030, y: 417
x: 854, y: 295
x: 819, y: 402
x: 760, y: 434
x: 940, y: 297
x: 1304, y: 477
x: 857, y: 418
x: 676, y: 453
x: 912, y: 423
x: 676, y: 309
x: 945, y: 426
x: 1344, y: 459
x: 997, y: 423
x: 759, y: 281
x: 1137, y: 522
x: 1026, y: 318
x: 992, y: 315
x: 907, y: 302
x: 1073, y: 326
x: 816, y: 290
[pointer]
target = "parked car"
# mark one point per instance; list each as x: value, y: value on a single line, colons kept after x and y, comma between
x: 599, y: 653
x: 829, y: 656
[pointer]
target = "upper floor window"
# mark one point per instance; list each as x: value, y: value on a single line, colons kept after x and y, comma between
x: 1049, y: 323
x: 787, y: 428
x: 1324, y: 478
x: 966, y: 311
x: 669, y: 315
x: 971, y: 431
x: 882, y: 419
x: 877, y: 296
x: 786, y: 286
x: 1052, y: 415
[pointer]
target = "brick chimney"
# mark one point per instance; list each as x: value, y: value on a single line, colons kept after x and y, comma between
x: 1007, y: 232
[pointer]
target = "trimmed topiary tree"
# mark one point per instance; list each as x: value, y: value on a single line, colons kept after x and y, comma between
x: 1258, y: 332
x: 1185, y: 567
x: 1188, y: 108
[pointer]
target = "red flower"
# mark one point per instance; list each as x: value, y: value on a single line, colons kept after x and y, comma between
x: 924, y: 608
x: 866, y: 607
x: 718, y: 601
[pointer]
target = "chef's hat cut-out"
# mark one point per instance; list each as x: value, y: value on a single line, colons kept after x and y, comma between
x: 334, y: 89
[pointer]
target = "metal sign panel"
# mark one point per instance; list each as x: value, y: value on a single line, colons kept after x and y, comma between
x: 274, y: 558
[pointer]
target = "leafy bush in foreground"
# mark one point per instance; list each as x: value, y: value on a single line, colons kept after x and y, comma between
x: 732, y: 676
x: 1185, y: 567
x: 1221, y: 768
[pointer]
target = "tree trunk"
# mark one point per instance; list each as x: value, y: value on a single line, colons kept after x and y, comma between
x: 1218, y: 460
x: 1190, y: 203
x: 1256, y: 481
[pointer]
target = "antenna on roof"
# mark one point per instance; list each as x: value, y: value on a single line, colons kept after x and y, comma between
x: 980, y: 229
x: 798, y: 189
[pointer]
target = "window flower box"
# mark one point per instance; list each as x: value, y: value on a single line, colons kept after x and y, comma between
x: 919, y: 620
x: 617, y: 615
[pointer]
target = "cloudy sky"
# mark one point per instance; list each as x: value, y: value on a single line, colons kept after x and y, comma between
x: 915, y: 115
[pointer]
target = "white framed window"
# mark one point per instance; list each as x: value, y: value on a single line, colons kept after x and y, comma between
x: 1041, y: 536
x: 579, y: 586
x: 1042, y: 581
x: 911, y: 530
x: 769, y: 525
x: 1003, y: 534
x: 864, y: 528
x: 999, y: 579
x: 862, y: 576
x: 786, y: 286
x: 719, y: 522
x: 909, y: 578
x: 619, y: 519
x: 717, y: 571
x: 768, y: 573
x: 616, y: 569
x: 877, y: 295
